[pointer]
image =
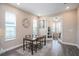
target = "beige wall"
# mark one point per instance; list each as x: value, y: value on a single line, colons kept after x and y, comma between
x: 20, y: 30
x: 78, y: 27
x: 70, y: 26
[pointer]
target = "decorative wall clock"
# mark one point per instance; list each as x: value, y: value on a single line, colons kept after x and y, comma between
x: 26, y: 23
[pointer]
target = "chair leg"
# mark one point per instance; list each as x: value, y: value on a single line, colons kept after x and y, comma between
x: 36, y: 48
x: 26, y: 44
x: 23, y: 45
x: 41, y: 45
x: 45, y: 42
x: 32, y: 48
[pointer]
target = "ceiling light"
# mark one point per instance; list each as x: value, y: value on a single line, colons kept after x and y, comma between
x: 39, y: 14
x: 18, y: 3
x: 67, y: 7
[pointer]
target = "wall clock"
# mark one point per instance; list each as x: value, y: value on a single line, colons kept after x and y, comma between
x: 26, y: 23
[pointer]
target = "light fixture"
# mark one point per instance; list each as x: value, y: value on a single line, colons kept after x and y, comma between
x: 39, y: 14
x: 18, y: 3
x: 56, y: 19
x: 67, y: 7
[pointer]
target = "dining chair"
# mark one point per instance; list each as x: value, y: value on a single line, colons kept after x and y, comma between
x: 26, y: 43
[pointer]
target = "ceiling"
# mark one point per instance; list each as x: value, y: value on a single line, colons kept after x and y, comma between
x: 45, y: 9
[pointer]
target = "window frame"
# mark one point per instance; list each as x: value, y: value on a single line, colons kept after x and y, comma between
x: 13, y: 37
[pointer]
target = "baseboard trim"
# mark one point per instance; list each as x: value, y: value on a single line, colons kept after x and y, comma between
x: 10, y: 48
x: 67, y: 43
x: 77, y: 46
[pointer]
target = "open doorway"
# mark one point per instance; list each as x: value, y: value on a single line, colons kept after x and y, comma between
x: 57, y: 28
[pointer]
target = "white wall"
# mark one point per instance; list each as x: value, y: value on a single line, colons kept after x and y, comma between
x: 20, y: 30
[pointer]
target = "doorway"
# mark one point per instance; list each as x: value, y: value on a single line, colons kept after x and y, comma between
x: 57, y: 28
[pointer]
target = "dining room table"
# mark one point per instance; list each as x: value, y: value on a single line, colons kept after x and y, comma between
x: 32, y: 40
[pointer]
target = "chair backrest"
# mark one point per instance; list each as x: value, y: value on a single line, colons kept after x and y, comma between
x: 41, y: 38
x: 28, y: 36
x: 38, y: 38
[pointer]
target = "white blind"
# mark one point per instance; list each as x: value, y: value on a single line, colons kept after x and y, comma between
x: 10, y: 25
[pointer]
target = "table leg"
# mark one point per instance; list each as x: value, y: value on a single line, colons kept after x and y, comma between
x: 26, y: 44
x: 32, y: 48
x: 36, y: 47
x: 45, y: 41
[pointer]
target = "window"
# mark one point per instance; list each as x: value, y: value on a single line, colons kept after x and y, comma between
x: 53, y: 27
x: 10, y: 26
x: 35, y: 30
x: 57, y: 27
x: 42, y: 24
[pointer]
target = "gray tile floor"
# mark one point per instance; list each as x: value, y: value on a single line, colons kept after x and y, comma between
x: 53, y: 48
